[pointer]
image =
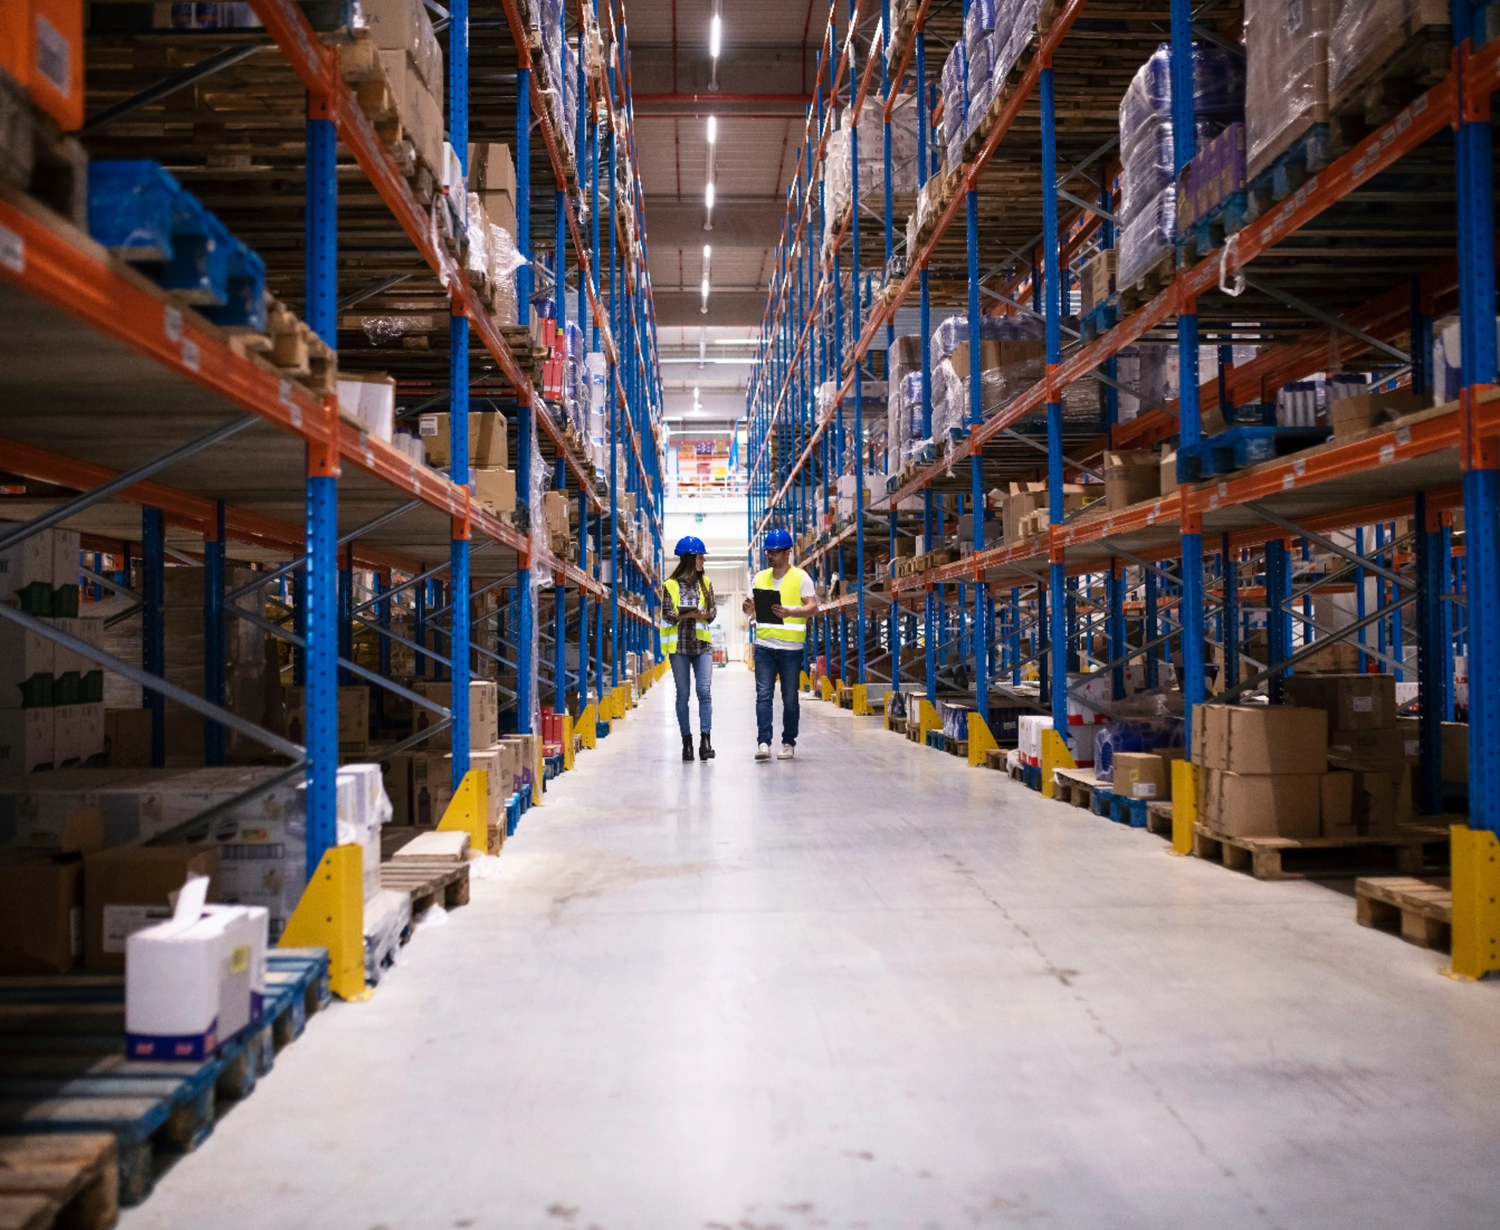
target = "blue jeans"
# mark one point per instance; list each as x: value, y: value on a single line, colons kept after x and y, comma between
x: 771, y: 665
x: 700, y: 666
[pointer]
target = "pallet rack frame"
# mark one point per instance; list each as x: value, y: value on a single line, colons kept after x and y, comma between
x: 109, y: 303
x: 797, y: 441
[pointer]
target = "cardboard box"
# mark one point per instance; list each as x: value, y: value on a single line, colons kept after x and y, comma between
x: 1379, y: 748
x: 492, y: 174
x: 1142, y: 775
x: 27, y: 662
x: 1097, y: 282
x: 1264, y: 739
x: 1362, y: 802
x: 41, y: 912
x: 127, y: 889
x: 431, y: 787
x: 1263, y: 804
x: 1131, y: 477
x: 369, y: 399
x: 555, y: 515
x: 487, y: 440
x: 1454, y: 747
x: 195, y: 980
x: 497, y: 488
x: 484, y: 713
x: 1351, y: 416
x: 1352, y: 702
x: 354, y: 718
x: 26, y: 740
x: 127, y: 738
x: 1335, y: 658
x: 1168, y: 472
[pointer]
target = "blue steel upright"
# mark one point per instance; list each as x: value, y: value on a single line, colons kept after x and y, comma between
x: 215, y: 737
x: 321, y: 690
x: 459, y: 614
x: 153, y: 624
x: 1052, y: 301
x: 1191, y: 679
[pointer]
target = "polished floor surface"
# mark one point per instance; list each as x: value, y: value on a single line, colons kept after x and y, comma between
x: 874, y: 990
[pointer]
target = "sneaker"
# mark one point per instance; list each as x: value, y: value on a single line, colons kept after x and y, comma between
x: 763, y: 751
x: 787, y: 752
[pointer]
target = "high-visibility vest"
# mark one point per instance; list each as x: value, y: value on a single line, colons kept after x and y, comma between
x: 669, y: 631
x: 792, y: 632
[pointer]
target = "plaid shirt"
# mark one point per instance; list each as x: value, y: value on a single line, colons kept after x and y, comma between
x: 687, y: 627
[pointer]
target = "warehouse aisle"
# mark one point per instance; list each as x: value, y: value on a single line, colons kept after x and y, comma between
x: 866, y: 989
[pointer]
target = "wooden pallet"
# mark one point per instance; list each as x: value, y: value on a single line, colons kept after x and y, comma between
x: 1075, y: 786
x: 1159, y: 819
x: 994, y: 758
x: 429, y: 882
x: 1306, y: 858
x: 1419, y: 911
x: 63, y: 1070
x: 59, y: 1181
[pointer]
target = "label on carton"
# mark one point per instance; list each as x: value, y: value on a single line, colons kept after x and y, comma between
x: 427, y: 425
x: 1143, y: 790
x: 1362, y: 704
x: 239, y: 959
x: 53, y: 56
x: 123, y: 921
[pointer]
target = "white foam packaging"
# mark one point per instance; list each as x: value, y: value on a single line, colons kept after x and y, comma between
x: 196, y: 980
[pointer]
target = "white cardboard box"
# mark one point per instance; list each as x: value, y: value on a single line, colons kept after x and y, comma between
x: 25, y: 739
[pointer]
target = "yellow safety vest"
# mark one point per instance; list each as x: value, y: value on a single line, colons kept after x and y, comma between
x: 793, y: 631
x: 669, y: 631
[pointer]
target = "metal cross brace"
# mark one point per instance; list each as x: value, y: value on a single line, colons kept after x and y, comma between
x: 154, y: 683
x: 1315, y: 647
x: 1329, y: 545
x: 265, y: 578
x: 120, y: 481
x: 1318, y: 314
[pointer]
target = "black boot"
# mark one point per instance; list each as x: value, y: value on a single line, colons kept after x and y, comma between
x: 705, y: 748
x: 687, y: 747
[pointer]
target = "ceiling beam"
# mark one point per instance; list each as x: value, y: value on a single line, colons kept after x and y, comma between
x: 739, y: 222
x: 726, y: 308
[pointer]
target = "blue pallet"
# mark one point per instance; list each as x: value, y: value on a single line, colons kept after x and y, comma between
x: 1239, y: 447
x: 1100, y: 318
x: 244, y: 305
x: 601, y: 730
x: 1200, y: 238
x: 1125, y: 810
x: 1100, y: 801
x: 68, y: 1071
x: 1032, y: 777
x: 1305, y: 156
x: 512, y: 814
x: 131, y: 208
x: 198, y: 270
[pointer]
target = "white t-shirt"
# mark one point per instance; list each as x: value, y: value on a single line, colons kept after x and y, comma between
x: 809, y: 592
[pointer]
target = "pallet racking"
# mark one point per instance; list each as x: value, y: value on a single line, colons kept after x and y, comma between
x: 114, y: 389
x: 1349, y: 262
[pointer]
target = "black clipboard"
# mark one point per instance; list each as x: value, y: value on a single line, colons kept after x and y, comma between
x: 765, y: 599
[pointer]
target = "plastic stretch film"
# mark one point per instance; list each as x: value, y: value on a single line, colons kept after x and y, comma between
x: 1286, y: 87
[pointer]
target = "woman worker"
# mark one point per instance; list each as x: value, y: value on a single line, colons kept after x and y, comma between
x: 688, y: 607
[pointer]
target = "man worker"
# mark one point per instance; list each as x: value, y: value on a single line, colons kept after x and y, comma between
x: 779, y: 647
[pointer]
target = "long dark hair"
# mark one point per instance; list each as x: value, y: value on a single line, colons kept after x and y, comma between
x: 686, y: 570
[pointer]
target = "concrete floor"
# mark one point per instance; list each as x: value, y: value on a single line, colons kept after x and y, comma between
x: 867, y: 989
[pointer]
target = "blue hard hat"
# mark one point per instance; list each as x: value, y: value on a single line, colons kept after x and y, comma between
x: 690, y: 546
x: 778, y: 540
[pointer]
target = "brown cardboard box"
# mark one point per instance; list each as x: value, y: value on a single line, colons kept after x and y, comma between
x: 41, y: 912
x: 1352, y: 415
x: 1378, y: 800
x: 1352, y: 702
x: 431, y: 788
x: 1379, y: 748
x: 496, y: 783
x: 1262, y: 739
x: 492, y: 174
x: 483, y: 713
x: 1456, y: 752
x: 1265, y: 804
x: 1199, y: 749
x: 1097, y: 282
x: 555, y: 515
x: 1168, y: 474
x: 130, y: 887
x: 1337, y: 793
x: 488, y: 445
x: 354, y: 718
x: 1130, y: 477
x: 127, y: 738
x: 1142, y: 775
x: 1335, y: 658
x: 496, y: 487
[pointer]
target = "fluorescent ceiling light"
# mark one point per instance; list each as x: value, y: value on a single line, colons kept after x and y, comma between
x: 713, y: 129
x: 715, y: 35
x: 708, y: 195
